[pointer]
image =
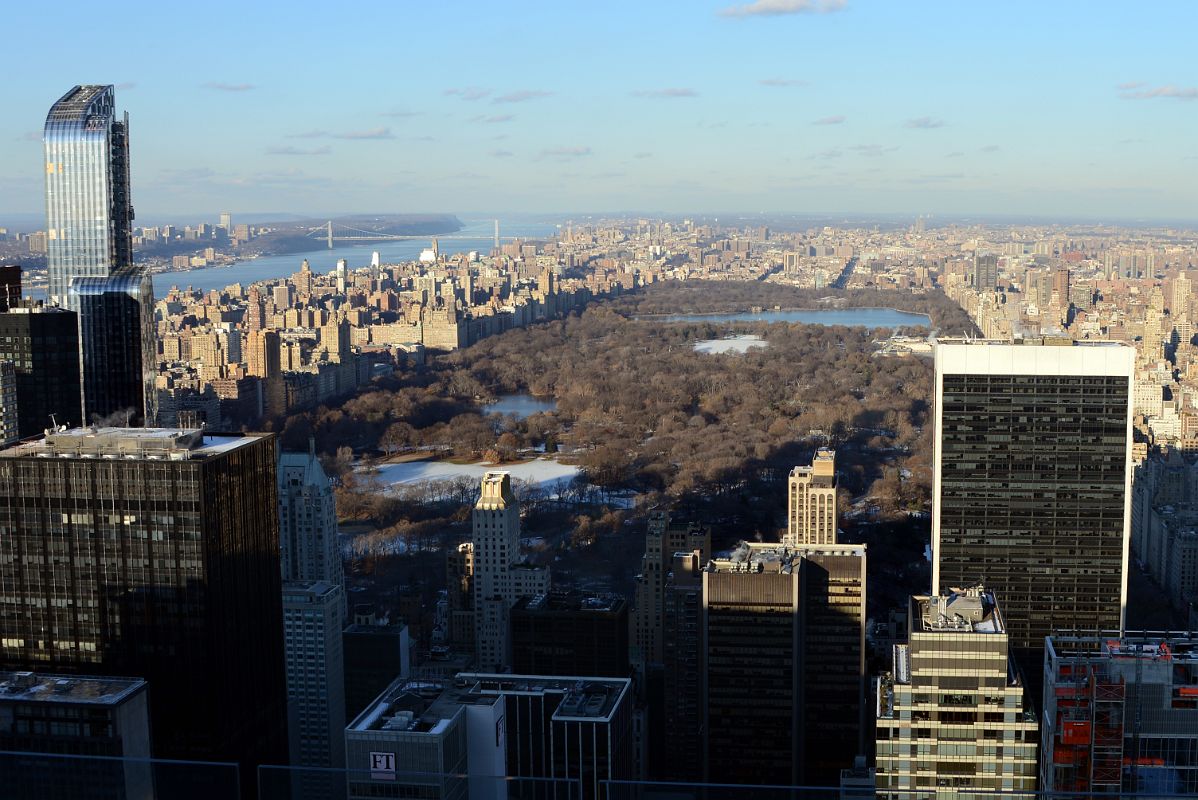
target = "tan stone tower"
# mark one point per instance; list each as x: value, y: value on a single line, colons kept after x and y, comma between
x: 812, y: 507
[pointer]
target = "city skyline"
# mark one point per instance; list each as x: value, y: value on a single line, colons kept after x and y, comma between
x: 856, y: 107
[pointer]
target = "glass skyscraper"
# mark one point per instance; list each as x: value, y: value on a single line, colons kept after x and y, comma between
x: 1032, y: 482
x: 89, y: 215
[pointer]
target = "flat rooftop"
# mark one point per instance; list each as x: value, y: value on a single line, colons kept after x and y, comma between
x: 408, y: 705
x: 590, y: 699
x: 36, y: 687
x: 1179, y: 647
x: 972, y: 610
x: 776, y: 557
x: 570, y: 601
x: 136, y: 444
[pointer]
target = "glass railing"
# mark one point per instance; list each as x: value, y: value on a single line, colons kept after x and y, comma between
x: 45, y: 776
x: 50, y: 776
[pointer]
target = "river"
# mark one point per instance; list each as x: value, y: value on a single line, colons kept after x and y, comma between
x: 476, y: 234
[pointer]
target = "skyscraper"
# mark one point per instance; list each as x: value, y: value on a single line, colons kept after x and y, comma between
x: 315, y: 680
x: 42, y: 344
x: 953, y: 717
x: 497, y: 583
x: 117, y: 346
x: 89, y: 213
x: 151, y: 552
x: 811, y: 511
x: 783, y: 641
x: 308, y: 547
x: 1032, y: 481
x: 985, y: 272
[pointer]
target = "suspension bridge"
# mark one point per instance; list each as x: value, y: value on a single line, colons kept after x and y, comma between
x: 333, y: 232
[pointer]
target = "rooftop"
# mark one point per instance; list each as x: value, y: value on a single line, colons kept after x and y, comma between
x: 81, y: 102
x: 1173, y: 646
x: 43, y: 688
x: 136, y: 444
x: 971, y: 610
x: 570, y: 601
x: 776, y: 557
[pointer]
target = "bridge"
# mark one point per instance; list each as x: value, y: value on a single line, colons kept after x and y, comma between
x: 333, y: 232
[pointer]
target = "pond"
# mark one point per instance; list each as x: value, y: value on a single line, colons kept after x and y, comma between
x: 522, y: 405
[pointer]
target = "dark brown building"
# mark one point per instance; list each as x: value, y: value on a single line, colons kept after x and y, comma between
x: 154, y: 553
x: 570, y: 633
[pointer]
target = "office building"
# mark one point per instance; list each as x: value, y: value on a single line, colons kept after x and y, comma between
x: 89, y: 214
x: 680, y: 755
x: 665, y: 537
x: 811, y: 510
x: 9, y: 417
x: 459, y: 566
x: 42, y: 343
x: 570, y: 633
x: 783, y: 637
x: 409, y: 742
x: 118, y: 346
x: 10, y: 286
x: 376, y: 651
x: 74, y: 729
x: 308, y: 546
x: 953, y: 718
x: 152, y: 552
x: 1032, y: 482
x: 499, y: 577
x: 312, y: 614
x: 1120, y: 715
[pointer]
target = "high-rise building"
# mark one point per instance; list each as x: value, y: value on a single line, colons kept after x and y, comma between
x: 953, y: 717
x: 1032, y: 482
x: 42, y: 343
x: 315, y: 679
x: 985, y: 272
x: 308, y: 546
x: 155, y: 553
x: 9, y: 417
x: 10, y: 286
x: 570, y: 633
x: 226, y: 222
x: 811, y: 511
x: 68, y: 736
x: 89, y: 214
x: 118, y: 346
x: 681, y: 752
x: 498, y: 582
x: 1120, y: 715
x: 376, y: 652
x: 664, y: 538
x: 783, y: 635
x: 459, y: 581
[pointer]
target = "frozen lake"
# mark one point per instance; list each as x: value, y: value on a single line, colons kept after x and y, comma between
x: 865, y: 317
x: 547, y: 474
x: 731, y: 344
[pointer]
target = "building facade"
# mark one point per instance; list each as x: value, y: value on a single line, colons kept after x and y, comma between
x: 952, y: 716
x: 783, y: 645
x: 1120, y: 715
x: 150, y: 552
x: 117, y: 346
x: 570, y: 633
x: 74, y: 729
x: 89, y: 214
x: 42, y: 343
x: 1032, y: 481
x: 308, y: 544
x: 811, y: 510
x: 315, y: 677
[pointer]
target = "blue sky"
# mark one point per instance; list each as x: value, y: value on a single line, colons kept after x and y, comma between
x: 1039, y: 108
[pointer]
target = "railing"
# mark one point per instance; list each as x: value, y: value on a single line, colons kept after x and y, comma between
x: 47, y: 776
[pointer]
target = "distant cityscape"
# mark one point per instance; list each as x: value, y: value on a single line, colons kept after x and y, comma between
x: 212, y: 583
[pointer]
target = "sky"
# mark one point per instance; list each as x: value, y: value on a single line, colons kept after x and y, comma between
x: 1056, y: 109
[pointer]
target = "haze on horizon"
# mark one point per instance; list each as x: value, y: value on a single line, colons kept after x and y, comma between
x: 1065, y: 110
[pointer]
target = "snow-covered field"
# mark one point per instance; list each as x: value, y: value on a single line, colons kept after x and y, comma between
x: 732, y: 344
x: 548, y: 474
